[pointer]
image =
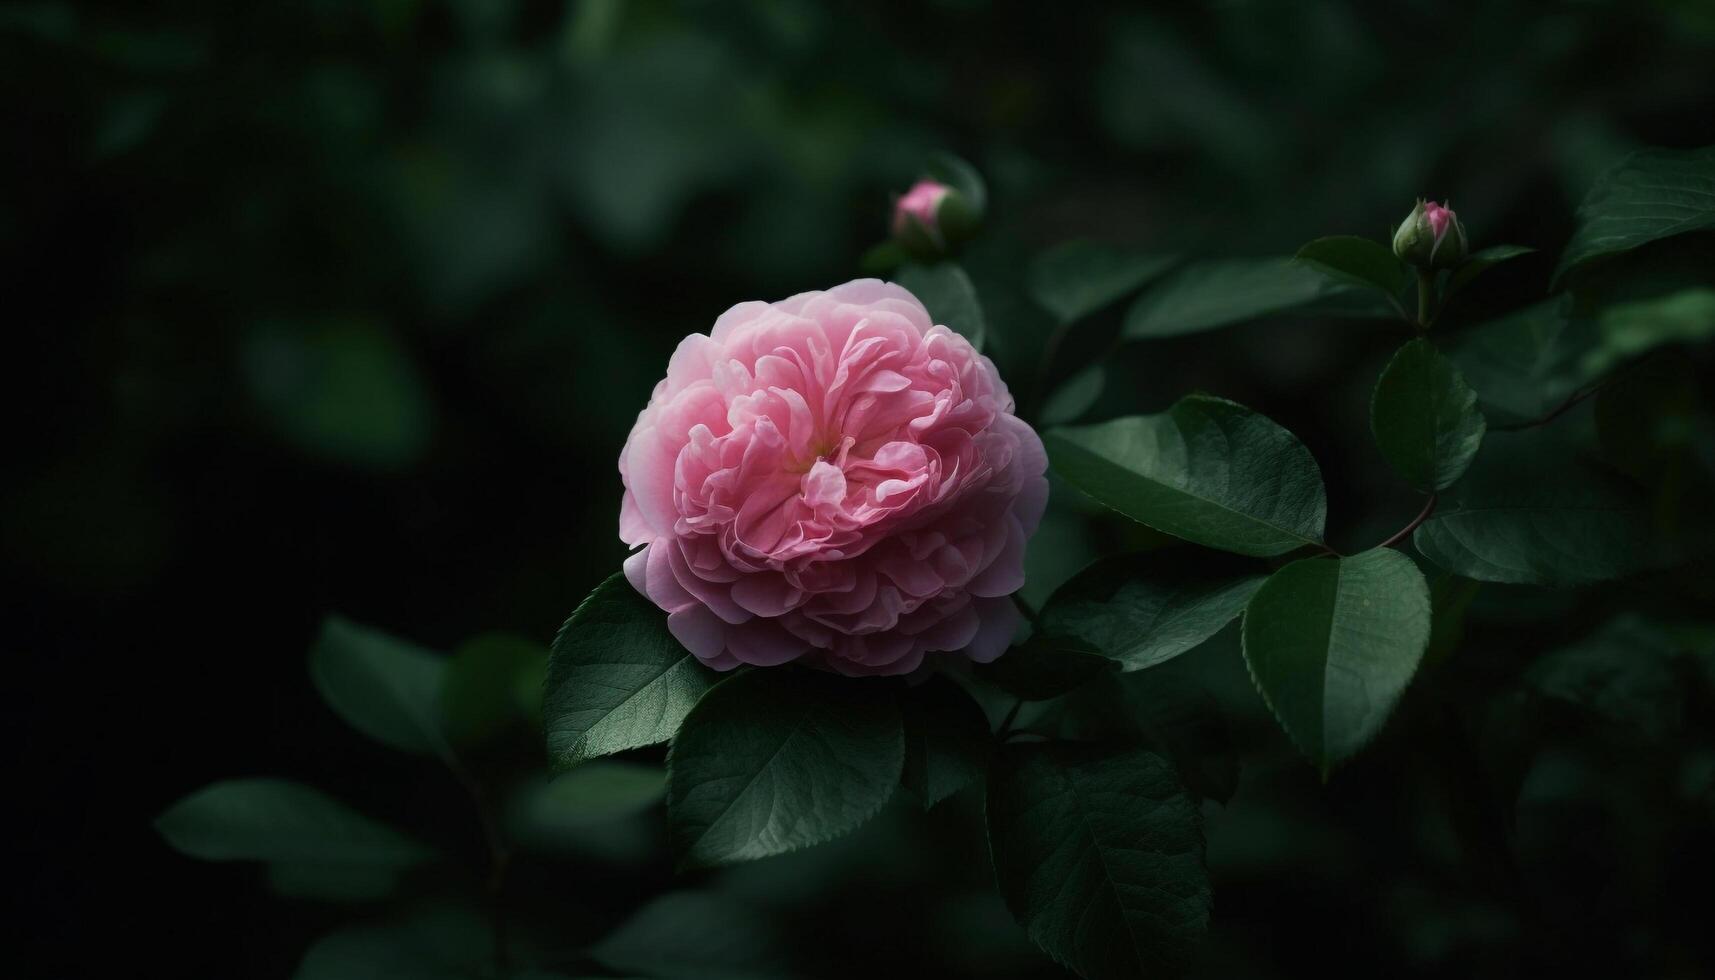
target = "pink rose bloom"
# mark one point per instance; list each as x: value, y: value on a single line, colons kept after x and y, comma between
x: 920, y: 204
x: 832, y: 478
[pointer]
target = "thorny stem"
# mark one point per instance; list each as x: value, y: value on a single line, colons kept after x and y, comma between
x: 1404, y: 532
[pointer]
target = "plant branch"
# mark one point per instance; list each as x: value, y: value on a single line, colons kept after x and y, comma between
x: 1425, y: 299
x: 1404, y: 532
x: 1578, y: 396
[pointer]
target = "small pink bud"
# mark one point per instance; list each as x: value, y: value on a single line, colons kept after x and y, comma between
x: 920, y: 205
x: 1440, y: 219
x: 1431, y: 237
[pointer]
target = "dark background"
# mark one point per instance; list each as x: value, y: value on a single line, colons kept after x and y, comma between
x: 348, y: 306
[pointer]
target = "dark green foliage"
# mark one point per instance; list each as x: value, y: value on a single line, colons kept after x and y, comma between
x: 350, y: 307
x: 1099, y: 854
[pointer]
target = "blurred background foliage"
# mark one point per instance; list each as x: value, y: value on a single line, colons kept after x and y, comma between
x: 348, y: 306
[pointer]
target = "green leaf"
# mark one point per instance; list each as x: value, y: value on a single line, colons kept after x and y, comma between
x: 381, y: 685
x: 695, y: 936
x: 1332, y: 643
x: 1425, y: 417
x: 777, y: 759
x: 1524, y: 365
x: 1206, y: 470
x: 1099, y: 855
x: 1147, y: 608
x: 444, y: 944
x: 1075, y: 279
x: 947, y: 293
x: 1213, y: 294
x: 1044, y: 667
x: 1530, y: 513
x: 1628, y: 331
x: 1357, y: 261
x: 617, y: 679
x: 284, y: 821
x: 1479, y: 262
x: 946, y: 740
x: 1649, y: 195
x: 1074, y: 398
x: 492, y: 682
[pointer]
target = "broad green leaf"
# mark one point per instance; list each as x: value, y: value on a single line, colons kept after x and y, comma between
x: 1147, y: 608
x: 492, y: 682
x: 1214, y: 294
x: 284, y: 821
x: 777, y: 759
x: 617, y: 679
x: 1044, y: 667
x: 1627, y: 331
x: 1479, y: 262
x: 1075, y: 279
x: 695, y: 936
x: 946, y: 740
x: 1649, y: 195
x: 444, y: 944
x: 341, y: 883
x: 597, y: 792
x: 1529, y: 513
x: 381, y: 685
x: 1332, y: 643
x: 1524, y: 365
x: 947, y: 293
x: 1357, y: 261
x: 1072, y: 399
x: 1206, y: 470
x: 1425, y: 418
x: 1099, y: 855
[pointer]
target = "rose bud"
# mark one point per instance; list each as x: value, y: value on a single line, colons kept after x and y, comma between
x: 835, y: 480
x: 930, y: 218
x: 1431, y: 237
